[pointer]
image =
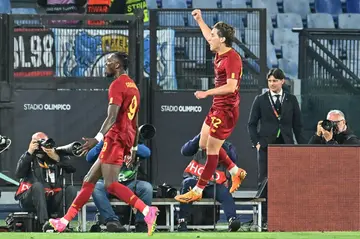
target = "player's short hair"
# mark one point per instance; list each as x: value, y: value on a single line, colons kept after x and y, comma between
x: 277, y: 73
x: 227, y: 31
x: 123, y: 58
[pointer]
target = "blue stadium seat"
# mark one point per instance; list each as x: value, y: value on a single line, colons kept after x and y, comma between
x: 233, y: 3
x: 272, y: 60
x: 290, y: 52
x: 290, y: 67
x: 151, y: 4
x: 5, y: 6
x: 201, y: 4
x: 289, y: 20
x: 252, y: 37
x: 285, y: 36
x: 171, y: 19
x: 332, y: 7
x: 174, y: 4
x: 210, y: 18
x: 349, y: 21
x: 270, y: 5
x: 301, y: 7
x: 253, y: 21
x: 24, y: 11
x: 320, y: 20
x: 232, y: 18
x: 353, y: 6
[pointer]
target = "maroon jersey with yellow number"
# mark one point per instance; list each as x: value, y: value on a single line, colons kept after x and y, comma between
x: 124, y: 92
x: 227, y: 66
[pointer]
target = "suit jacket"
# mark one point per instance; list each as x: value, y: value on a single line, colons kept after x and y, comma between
x: 290, y: 121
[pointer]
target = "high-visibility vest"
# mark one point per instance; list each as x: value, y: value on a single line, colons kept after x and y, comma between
x: 131, y: 5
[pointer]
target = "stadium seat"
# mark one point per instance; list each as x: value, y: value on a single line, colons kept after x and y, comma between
x: 171, y: 19
x: 349, y: 21
x: 174, y: 4
x: 272, y: 60
x: 332, y: 7
x: 253, y: 21
x: 151, y: 4
x: 203, y: 4
x: 290, y: 67
x: 233, y: 18
x: 270, y: 5
x: 301, y: 7
x: 290, y: 52
x: 289, y: 20
x: 285, y: 36
x: 320, y: 20
x: 353, y: 6
x: 24, y: 11
x: 5, y: 6
x: 233, y: 4
x: 252, y: 37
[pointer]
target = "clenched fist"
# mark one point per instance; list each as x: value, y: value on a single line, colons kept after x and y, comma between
x: 197, y: 14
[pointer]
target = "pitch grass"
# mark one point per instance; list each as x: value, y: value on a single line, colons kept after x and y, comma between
x: 190, y: 235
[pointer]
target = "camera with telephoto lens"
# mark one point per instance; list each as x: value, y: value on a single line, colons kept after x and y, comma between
x: 166, y: 191
x: 329, y: 125
x: 72, y: 149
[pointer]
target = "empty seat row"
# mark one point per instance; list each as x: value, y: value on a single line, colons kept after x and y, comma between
x: 301, y: 7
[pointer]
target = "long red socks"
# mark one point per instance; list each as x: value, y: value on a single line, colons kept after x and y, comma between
x: 80, y: 200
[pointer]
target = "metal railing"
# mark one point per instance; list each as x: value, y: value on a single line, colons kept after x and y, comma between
x: 329, y: 60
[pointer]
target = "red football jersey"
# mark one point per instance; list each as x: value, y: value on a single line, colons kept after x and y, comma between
x: 227, y: 66
x: 124, y: 92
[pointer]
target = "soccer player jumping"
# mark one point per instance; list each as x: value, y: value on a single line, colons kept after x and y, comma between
x: 224, y: 112
x: 121, y: 137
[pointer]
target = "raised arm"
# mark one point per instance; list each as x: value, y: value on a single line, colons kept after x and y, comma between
x: 205, y: 29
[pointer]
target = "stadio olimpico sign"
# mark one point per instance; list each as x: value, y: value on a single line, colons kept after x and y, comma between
x: 181, y: 108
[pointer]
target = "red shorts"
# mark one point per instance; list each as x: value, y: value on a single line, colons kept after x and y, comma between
x: 222, y: 122
x: 113, y: 152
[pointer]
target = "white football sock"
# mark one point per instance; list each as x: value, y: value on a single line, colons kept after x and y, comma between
x: 198, y: 190
x: 233, y: 170
x: 64, y: 221
x: 146, y: 211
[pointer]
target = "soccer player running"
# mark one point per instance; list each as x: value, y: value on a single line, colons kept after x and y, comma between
x: 224, y: 112
x: 121, y: 137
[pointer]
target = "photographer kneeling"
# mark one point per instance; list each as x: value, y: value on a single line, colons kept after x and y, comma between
x: 40, y: 169
x: 334, y: 130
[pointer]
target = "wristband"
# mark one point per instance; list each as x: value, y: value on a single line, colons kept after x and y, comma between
x: 134, y: 148
x: 99, y: 137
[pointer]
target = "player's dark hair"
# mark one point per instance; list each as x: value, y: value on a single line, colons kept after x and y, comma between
x: 123, y: 58
x: 277, y: 73
x: 227, y: 31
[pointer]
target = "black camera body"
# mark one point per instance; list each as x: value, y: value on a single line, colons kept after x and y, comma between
x: 329, y: 125
x: 46, y: 143
x: 166, y: 191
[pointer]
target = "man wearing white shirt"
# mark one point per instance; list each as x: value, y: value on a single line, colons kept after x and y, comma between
x: 279, y: 115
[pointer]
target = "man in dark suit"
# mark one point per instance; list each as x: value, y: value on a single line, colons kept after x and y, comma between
x: 279, y: 115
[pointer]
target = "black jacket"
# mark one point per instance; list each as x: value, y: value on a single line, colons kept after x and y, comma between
x: 28, y: 169
x: 346, y: 137
x: 290, y: 122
